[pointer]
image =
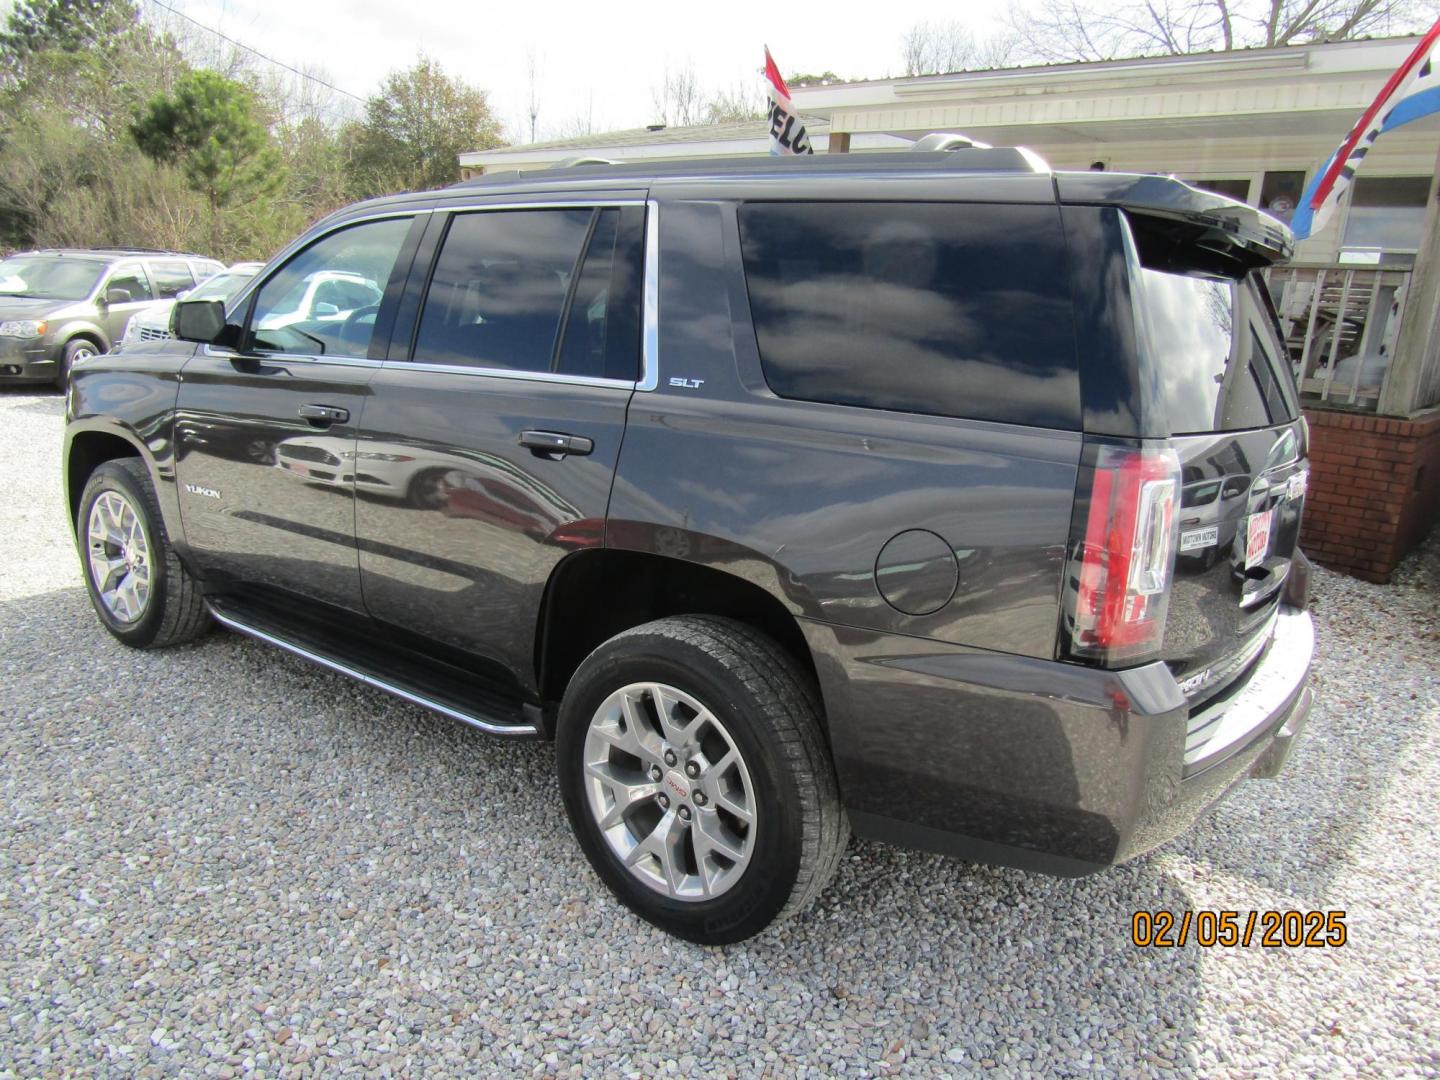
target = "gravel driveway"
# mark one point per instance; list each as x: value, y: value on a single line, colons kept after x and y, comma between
x: 220, y: 860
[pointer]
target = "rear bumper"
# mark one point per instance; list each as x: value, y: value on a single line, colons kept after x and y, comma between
x: 1039, y: 764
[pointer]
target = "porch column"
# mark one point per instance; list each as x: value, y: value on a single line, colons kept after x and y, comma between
x: 1417, y: 349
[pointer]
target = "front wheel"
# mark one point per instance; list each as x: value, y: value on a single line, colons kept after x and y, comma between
x: 137, y: 584
x: 696, y: 776
x: 76, y: 350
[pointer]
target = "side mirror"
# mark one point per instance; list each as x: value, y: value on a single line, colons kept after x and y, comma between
x: 325, y: 311
x: 116, y: 295
x: 198, y: 320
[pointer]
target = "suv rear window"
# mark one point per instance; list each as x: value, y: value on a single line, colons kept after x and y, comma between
x: 1220, y: 361
x: 951, y: 309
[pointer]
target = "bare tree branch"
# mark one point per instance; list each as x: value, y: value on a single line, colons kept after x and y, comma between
x: 938, y: 48
x: 1067, y: 30
x: 678, y: 99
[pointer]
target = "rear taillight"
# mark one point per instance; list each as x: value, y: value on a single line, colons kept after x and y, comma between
x: 1123, y: 553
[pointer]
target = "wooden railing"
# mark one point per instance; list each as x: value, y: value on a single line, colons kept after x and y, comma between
x: 1341, y: 324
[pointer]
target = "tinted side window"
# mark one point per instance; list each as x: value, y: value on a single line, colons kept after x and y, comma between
x: 292, y: 314
x: 499, y: 288
x: 582, y: 345
x: 132, y: 280
x: 602, y: 327
x: 171, y: 278
x: 1219, y: 361
x: 944, y: 308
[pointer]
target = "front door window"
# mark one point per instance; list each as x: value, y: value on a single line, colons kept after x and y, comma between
x: 324, y: 300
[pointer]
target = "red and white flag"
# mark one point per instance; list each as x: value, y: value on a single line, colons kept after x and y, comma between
x: 787, y: 133
x: 1412, y: 92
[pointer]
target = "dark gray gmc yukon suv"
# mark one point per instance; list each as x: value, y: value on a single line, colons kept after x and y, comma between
x: 932, y: 496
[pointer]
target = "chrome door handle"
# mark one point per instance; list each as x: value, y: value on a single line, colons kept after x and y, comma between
x: 324, y: 415
x: 555, y: 443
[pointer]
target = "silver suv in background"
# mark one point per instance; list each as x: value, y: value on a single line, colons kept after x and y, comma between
x: 153, y: 323
x: 62, y: 305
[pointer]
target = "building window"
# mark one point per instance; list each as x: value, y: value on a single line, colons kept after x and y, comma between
x: 1387, y: 212
x: 1234, y: 189
x: 1280, y: 193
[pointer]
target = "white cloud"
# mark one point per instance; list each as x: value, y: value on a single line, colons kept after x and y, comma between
x: 595, y: 59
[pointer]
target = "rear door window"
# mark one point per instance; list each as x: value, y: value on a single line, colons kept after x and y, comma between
x: 950, y: 309
x: 552, y: 290
x: 1220, y: 362
x: 171, y: 278
x: 499, y: 289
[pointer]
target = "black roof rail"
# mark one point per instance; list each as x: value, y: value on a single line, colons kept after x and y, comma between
x: 971, y: 159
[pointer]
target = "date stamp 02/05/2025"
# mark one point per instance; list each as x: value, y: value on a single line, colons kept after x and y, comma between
x: 1273, y: 929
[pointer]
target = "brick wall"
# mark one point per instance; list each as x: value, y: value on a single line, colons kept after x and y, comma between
x: 1374, y: 490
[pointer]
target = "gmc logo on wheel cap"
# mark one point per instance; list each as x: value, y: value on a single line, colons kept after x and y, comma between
x: 674, y: 784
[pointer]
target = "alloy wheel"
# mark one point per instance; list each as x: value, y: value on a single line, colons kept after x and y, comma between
x: 118, y: 557
x: 670, y: 791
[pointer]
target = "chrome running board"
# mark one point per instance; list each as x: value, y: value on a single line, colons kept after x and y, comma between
x: 473, y: 719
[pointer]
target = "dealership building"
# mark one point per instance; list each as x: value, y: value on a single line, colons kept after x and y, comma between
x: 1254, y: 124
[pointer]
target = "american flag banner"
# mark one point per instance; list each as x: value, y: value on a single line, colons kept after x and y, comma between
x: 787, y: 133
x: 1412, y: 92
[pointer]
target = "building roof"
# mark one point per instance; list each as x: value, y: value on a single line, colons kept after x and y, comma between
x: 1157, y: 113
x: 1311, y: 91
x: 1253, y: 53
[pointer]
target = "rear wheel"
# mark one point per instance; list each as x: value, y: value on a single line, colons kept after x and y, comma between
x: 140, y: 590
x: 696, y: 776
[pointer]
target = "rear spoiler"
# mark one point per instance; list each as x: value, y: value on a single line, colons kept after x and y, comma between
x: 1168, y: 213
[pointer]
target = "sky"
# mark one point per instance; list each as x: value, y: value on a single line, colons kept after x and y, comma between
x: 596, y: 62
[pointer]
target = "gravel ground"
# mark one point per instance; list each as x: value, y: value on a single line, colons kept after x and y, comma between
x: 220, y: 860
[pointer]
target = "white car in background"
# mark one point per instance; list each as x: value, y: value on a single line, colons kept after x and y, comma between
x: 153, y: 324
x: 324, y: 296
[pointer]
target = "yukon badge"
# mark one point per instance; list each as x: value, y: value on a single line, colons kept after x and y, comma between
x: 196, y: 489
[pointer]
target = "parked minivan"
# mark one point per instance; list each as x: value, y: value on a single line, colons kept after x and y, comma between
x: 63, y: 305
x: 934, y: 497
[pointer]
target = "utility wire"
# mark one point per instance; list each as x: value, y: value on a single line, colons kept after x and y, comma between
x: 257, y: 52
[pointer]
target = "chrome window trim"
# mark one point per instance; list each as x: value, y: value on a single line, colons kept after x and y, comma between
x: 650, y: 305
x: 649, y: 375
x: 548, y: 204
x: 307, y: 358
x: 507, y: 373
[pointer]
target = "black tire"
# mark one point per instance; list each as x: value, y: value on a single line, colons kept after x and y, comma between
x: 74, y: 349
x: 175, y: 612
x: 770, y: 707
